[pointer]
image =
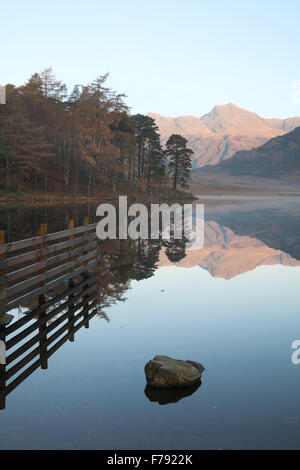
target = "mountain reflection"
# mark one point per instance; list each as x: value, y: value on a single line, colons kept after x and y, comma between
x: 274, y: 221
x: 227, y: 255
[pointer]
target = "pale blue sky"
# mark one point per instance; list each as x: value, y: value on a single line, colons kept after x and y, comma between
x: 173, y: 57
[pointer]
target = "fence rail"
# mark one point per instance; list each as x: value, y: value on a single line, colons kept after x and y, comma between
x: 31, y: 242
x: 32, y: 340
x: 34, y: 266
x: 57, y: 271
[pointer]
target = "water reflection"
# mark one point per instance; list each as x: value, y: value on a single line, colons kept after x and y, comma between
x: 273, y: 221
x: 48, y: 321
x: 226, y: 255
x: 165, y: 396
x: 23, y: 221
x: 236, y: 241
x: 31, y: 340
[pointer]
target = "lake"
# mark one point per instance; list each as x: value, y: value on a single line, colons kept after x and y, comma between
x: 234, y: 306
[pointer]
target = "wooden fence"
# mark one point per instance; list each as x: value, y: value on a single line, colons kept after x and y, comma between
x: 33, y: 267
x: 55, y: 272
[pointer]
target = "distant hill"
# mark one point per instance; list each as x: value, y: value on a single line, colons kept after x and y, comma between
x: 278, y: 157
x: 225, y: 130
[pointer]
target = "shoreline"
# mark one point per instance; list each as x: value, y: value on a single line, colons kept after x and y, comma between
x: 47, y: 200
x: 225, y: 190
x: 206, y: 190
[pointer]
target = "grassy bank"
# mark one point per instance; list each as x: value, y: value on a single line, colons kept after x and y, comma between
x: 150, y: 194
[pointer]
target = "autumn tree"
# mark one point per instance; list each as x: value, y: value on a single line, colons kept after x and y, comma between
x: 24, y: 147
x: 82, y: 142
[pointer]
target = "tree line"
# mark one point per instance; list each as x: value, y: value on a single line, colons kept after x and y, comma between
x: 83, y: 142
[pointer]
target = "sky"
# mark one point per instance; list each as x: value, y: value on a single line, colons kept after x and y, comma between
x: 173, y: 57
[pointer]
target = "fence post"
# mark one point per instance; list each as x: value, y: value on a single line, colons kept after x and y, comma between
x: 85, y: 276
x: 2, y: 372
x: 86, y: 223
x: 43, y: 314
x: 2, y: 272
x: 2, y: 338
x: 71, y: 285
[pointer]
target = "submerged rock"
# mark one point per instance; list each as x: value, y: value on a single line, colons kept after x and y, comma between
x: 165, y: 372
x: 5, y: 319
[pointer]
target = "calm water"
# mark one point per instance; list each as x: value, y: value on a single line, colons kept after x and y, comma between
x: 234, y: 306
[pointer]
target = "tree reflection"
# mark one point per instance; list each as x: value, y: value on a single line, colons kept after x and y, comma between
x: 124, y: 260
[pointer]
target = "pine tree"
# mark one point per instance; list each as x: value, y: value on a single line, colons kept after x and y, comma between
x: 150, y: 157
x: 180, y: 161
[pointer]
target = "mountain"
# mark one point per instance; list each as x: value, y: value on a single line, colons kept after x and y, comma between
x: 227, y: 255
x: 232, y: 120
x: 225, y: 130
x: 280, y: 156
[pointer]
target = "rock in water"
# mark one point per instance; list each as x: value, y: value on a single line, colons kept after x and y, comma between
x: 198, y: 366
x: 165, y: 372
x: 5, y: 319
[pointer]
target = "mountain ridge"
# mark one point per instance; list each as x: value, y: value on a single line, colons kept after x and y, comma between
x: 225, y: 130
x: 278, y: 157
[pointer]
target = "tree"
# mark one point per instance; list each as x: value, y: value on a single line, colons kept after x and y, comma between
x: 24, y: 148
x: 175, y: 249
x: 180, y: 161
x: 149, y: 152
x: 147, y: 258
x: 99, y: 109
x: 125, y: 141
x: 78, y: 143
x: 52, y: 89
